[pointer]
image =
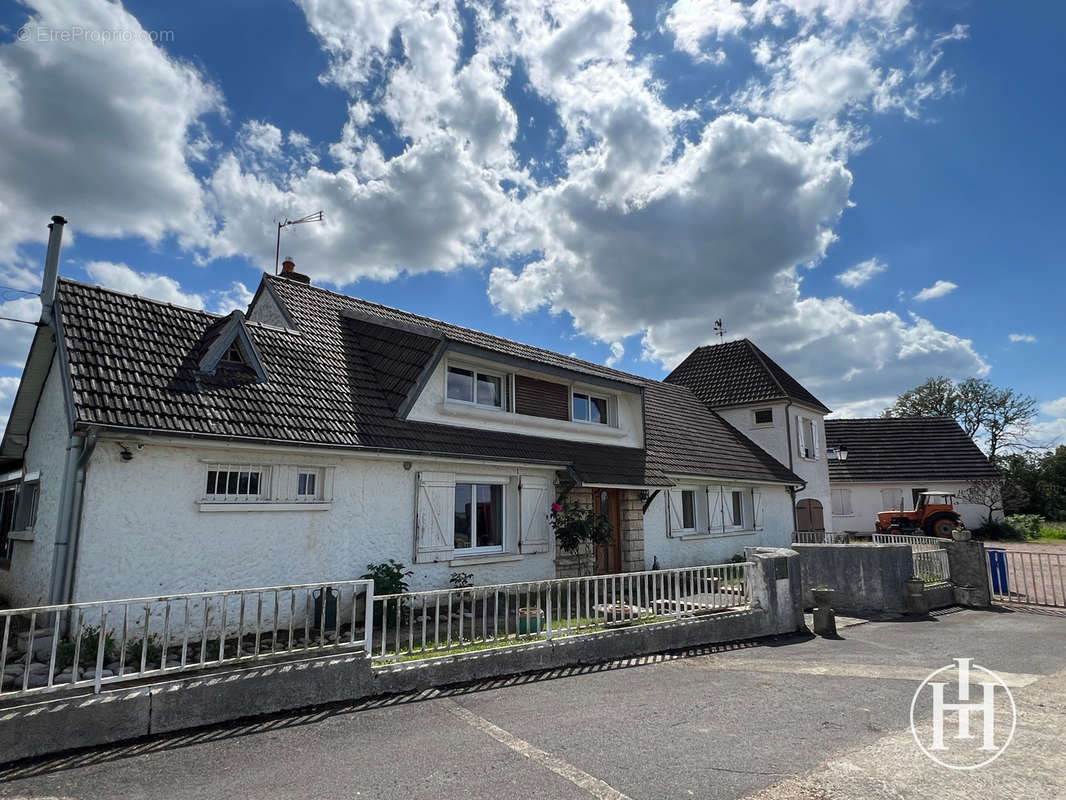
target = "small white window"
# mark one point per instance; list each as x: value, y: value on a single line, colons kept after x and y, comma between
x: 475, y: 387
x: 235, y: 484
x: 307, y: 485
x: 807, y: 437
x: 733, y: 509
x: 841, y: 500
x: 688, y: 509
x: 588, y: 408
x: 763, y: 417
x: 478, y: 518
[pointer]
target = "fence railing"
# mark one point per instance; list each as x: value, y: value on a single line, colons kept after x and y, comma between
x: 931, y: 565
x: 819, y: 537
x: 45, y: 648
x: 438, y: 621
x: 917, y: 543
x: 1027, y: 576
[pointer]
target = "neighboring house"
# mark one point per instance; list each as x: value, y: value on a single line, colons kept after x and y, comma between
x: 154, y: 449
x: 891, y: 460
x: 751, y: 392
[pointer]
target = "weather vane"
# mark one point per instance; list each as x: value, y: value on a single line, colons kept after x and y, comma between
x: 719, y: 329
x: 318, y: 216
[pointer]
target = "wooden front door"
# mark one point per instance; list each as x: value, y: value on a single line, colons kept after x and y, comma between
x: 809, y: 516
x: 609, y: 556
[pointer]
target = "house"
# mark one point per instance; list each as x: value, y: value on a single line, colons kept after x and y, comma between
x: 891, y: 460
x: 155, y: 449
x: 755, y: 395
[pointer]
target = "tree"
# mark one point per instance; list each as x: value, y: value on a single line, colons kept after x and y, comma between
x: 988, y: 493
x: 1002, y: 416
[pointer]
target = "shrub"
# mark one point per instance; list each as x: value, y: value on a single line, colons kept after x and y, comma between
x: 996, y: 529
x: 1027, y: 525
x: 90, y: 642
x: 155, y: 652
x: 389, y: 577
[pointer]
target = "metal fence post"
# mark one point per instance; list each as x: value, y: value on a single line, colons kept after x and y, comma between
x: 548, y: 612
x: 368, y: 633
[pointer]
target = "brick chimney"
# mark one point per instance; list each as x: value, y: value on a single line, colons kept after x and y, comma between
x: 288, y: 270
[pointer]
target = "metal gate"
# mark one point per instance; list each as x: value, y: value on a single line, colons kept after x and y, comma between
x: 1027, y: 576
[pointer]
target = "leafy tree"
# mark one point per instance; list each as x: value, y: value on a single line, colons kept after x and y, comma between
x: 1002, y: 416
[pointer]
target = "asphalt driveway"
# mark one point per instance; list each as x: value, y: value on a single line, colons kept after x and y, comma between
x: 794, y: 718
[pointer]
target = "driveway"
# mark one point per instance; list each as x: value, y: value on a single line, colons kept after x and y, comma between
x: 792, y: 718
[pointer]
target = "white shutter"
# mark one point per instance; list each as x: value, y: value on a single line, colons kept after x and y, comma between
x: 675, y: 520
x: 727, y: 508
x: 714, y: 502
x: 816, y: 445
x: 435, y: 517
x: 799, y: 436
x: 756, y: 504
x: 534, y: 531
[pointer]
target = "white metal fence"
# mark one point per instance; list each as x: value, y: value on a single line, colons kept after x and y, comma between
x: 819, y: 537
x: 438, y: 621
x: 917, y: 543
x: 1027, y: 576
x: 90, y: 644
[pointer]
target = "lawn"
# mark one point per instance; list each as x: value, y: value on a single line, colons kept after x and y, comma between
x: 1052, y: 533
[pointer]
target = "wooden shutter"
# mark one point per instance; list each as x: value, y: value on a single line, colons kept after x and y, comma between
x: 675, y: 519
x: 756, y: 505
x: 534, y: 531
x: 541, y: 398
x: 714, y: 503
x: 435, y: 517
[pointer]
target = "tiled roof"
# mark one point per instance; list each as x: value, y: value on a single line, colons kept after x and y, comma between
x: 738, y: 373
x: 905, y: 449
x: 337, y: 381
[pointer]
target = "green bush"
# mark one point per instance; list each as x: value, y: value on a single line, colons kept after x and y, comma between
x: 155, y: 652
x: 90, y: 642
x: 996, y: 530
x: 389, y: 577
x: 1027, y: 525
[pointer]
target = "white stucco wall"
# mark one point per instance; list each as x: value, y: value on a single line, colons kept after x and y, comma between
x: 716, y: 548
x: 780, y: 440
x: 430, y: 406
x: 866, y: 503
x: 27, y: 582
x: 143, y: 532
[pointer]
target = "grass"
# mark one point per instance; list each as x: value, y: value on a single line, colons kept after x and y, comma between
x: 1052, y: 533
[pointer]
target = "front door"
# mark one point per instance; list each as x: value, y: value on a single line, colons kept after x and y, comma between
x: 609, y: 556
x: 809, y: 516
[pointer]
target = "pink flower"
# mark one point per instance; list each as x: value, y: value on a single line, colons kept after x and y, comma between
x: 556, y: 508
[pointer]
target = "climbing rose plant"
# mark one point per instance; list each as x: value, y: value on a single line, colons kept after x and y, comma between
x: 575, y: 524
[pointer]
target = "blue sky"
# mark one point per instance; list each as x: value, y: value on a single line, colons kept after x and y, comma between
x: 591, y: 177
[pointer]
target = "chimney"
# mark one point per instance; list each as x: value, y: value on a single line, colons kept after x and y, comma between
x: 51, y: 268
x: 288, y: 270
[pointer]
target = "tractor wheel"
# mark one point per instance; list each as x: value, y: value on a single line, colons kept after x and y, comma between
x: 941, y: 525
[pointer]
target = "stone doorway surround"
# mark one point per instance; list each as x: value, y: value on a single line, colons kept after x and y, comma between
x: 631, y: 513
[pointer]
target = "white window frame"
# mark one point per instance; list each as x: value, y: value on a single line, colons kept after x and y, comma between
x: 315, y: 474
x: 843, y: 506
x: 278, y: 487
x: 692, y: 492
x: 505, y: 389
x: 734, y: 491
x: 898, y: 491
x: 474, y: 481
x: 607, y: 401
x: 755, y: 422
x: 807, y: 449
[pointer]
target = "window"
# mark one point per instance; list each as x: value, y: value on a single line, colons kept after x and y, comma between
x: 478, y: 518
x: 892, y: 500
x: 475, y: 387
x: 8, y: 502
x: 241, y: 484
x: 688, y: 509
x: 587, y: 408
x: 807, y: 437
x: 735, y: 499
x: 234, y: 354
x: 841, y: 499
x: 763, y: 416
x: 306, y: 485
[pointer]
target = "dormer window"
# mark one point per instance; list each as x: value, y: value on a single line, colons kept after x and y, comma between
x: 233, y: 354
x: 475, y: 387
x: 589, y: 408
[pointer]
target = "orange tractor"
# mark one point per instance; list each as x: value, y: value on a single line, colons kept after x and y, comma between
x: 933, y: 515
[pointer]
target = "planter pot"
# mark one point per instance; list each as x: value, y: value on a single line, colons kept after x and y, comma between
x: 823, y: 598
x: 529, y: 620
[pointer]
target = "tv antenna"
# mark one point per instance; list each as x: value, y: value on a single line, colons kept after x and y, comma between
x: 318, y: 216
x: 718, y: 329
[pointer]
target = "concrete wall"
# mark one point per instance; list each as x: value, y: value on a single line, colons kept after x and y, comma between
x: 716, y: 548
x: 431, y: 406
x: 780, y: 441
x: 866, y: 577
x: 29, y: 729
x: 26, y: 582
x: 144, y: 533
x: 866, y: 501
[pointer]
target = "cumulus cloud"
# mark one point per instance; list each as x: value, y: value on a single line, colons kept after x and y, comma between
x: 145, y: 284
x: 1054, y: 408
x: 8, y: 388
x: 861, y: 273
x: 1021, y: 337
x: 113, y: 162
x: 937, y: 290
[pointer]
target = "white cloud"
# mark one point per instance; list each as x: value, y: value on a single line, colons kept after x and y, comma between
x: 237, y: 296
x: 8, y: 389
x: 937, y: 290
x: 112, y: 161
x: 145, y: 284
x: 1054, y: 408
x: 1021, y: 337
x: 617, y: 351
x: 861, y: 273
x: 692, y: 21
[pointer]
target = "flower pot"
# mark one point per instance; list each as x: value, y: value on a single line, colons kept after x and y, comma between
x: 529, y: 620
x: 823, y: 598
